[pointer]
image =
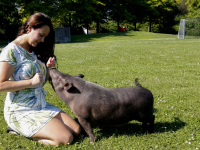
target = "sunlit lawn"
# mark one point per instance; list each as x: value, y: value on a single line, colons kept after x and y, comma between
x: 167, y: 66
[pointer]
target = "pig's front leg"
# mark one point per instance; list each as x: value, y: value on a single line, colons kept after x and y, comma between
x: 87, y: 127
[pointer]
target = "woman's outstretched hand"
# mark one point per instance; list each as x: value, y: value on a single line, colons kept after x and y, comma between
x: 51, y: 62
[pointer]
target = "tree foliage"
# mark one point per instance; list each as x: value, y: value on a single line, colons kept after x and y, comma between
x: 10, y: 19
x: 157, y: 15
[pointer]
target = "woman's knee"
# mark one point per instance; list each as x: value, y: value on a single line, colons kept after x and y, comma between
x: 64, y: 139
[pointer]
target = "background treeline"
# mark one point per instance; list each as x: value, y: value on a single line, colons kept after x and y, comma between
x: 160, y: 16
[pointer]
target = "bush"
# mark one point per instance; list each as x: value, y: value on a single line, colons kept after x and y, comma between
x: 109, y: 26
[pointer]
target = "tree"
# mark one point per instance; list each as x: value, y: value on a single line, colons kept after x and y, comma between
x: 10, y: 19
x: 193, y: 8
x: 182, y: 7
x: 101, y: 13
x: 73, y: 13
x: 29, y: 7
x: 134, y: 9
x: 162, y: 15
x: 151, y: 11
x: 117, y: 10
x: 64, y: 12
x: 84, y: 12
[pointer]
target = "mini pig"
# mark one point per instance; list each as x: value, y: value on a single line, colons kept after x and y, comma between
x: 92, y: 103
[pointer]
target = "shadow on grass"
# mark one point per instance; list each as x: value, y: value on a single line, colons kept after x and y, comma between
x: 135, y: 129
x: 161, y: 127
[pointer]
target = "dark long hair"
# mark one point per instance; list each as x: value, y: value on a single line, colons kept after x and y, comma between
x: 45, y: 49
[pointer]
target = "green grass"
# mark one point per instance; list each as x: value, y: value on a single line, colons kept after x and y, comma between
x: 169, y: 67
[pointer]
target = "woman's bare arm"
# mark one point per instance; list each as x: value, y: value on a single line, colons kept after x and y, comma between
x: 50, y: 63
x: 6, y: 70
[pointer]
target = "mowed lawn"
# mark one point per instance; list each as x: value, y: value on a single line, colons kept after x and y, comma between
x: 167, y: 66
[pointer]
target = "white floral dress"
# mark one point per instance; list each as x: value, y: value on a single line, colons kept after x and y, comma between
x: 26, y: 111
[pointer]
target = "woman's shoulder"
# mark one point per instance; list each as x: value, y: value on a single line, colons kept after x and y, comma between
x: 11, y: 49
x: 9, y: 54
x: 10, y: 46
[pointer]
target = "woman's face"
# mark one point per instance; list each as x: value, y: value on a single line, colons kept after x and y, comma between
x: 37, y: 35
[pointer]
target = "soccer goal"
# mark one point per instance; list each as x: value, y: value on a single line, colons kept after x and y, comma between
x: 189, y: 28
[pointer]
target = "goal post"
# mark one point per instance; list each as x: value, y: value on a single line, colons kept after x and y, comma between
x: 189, y: 28
x: 181, y: 31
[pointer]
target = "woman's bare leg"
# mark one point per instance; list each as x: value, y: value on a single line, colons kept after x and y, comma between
x: 72, y: 125
x: 58, y: 131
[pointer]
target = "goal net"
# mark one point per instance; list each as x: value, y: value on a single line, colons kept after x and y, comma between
x: 189, y: 28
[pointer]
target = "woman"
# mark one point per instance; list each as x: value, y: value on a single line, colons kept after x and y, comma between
x: 22, y: 75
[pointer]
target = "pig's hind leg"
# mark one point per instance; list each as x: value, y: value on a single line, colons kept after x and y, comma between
x: 151, y: 126
x: 144, y: 126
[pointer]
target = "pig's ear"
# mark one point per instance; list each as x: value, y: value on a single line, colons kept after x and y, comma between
x: 68, y: 86
x: 80, y: 75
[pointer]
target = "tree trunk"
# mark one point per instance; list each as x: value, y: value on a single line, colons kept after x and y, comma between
x: 135, y: 26
x: 70, y: 20
x: 87, y: 28
x: 98, y: 27
x: 149, y: 26
x: 118, y: 25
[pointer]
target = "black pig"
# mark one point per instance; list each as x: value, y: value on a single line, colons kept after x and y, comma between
x: 92, y: 103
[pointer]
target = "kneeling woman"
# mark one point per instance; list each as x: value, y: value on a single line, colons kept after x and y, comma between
x: 24, y: 67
